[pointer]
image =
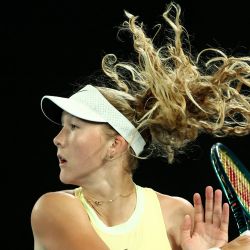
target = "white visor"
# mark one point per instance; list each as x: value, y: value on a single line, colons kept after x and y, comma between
x: 89, y: 104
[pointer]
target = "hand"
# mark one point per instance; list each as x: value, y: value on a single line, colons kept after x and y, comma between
x: 210, y: 227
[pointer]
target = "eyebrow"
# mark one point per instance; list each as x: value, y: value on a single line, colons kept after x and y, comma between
x: 64, y: 114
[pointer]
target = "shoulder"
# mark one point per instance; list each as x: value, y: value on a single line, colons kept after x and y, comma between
x: 51, y: 207
x: 172, y: 205
x: 51, y: 201
x: 173, y: 210
x: 59, y: 219
x: 177, y: 204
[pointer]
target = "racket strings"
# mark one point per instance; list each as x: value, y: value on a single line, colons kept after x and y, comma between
x: 237, y: 179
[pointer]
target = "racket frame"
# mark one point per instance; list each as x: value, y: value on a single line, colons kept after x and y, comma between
x: 240, y: 213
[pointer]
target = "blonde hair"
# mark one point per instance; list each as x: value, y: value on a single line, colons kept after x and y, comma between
x: 172, y: 98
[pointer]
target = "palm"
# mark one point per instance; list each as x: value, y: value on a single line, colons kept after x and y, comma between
x: 211, y: 227
x: 208, y: 234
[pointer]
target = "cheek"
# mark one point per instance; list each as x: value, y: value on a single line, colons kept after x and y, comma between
x: 89, y: 146
x: 81, y: 146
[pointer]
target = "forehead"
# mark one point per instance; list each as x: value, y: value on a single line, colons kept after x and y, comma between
x: 67, y: 116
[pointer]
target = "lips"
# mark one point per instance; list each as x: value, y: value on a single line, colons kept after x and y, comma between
x: 61, y: 159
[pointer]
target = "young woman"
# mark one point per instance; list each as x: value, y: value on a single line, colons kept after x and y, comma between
x: 157, y: 104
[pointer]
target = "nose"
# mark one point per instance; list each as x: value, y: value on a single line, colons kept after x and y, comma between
x: 58, y: 139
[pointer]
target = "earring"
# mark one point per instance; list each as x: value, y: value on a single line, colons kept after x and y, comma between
x: 109, y: 157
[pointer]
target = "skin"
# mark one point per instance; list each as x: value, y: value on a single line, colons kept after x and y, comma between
x: 97, y: 162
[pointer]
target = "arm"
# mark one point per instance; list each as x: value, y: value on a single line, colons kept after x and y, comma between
x: 59, y: 222
x: 239, y: 243
x: 210, y: 227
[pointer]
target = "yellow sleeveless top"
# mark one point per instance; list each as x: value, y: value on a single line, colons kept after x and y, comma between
x: 144, y: 230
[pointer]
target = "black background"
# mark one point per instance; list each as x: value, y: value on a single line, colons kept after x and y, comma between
x: 48, y: 45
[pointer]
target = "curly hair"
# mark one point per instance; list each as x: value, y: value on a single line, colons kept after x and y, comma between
x: 172, y: 97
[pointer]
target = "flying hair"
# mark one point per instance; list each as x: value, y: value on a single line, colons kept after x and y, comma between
x: 171, y: 96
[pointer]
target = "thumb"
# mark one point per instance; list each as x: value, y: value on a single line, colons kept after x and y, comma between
x: 186, y: 229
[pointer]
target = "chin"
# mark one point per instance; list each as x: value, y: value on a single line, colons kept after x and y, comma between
x: 66, y: 179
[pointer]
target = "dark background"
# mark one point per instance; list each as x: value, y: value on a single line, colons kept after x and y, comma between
x: 48, y: 45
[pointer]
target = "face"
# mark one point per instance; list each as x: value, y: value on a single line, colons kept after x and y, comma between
x: 81, y: 149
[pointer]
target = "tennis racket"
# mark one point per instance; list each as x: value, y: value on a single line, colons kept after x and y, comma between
x: 235, y: 181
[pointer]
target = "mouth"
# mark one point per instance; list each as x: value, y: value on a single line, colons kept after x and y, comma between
x: 61, y: 159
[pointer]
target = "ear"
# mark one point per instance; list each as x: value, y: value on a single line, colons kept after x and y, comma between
x: 119, y: 145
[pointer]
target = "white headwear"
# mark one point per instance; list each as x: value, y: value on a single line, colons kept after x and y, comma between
x: 89, y: 104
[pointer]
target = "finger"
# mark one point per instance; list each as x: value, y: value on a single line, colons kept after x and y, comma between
x: 209, y: 204
x: 186, y: 229
x: 198, y: 209
x: 225, y: 218
x: 217, y: 208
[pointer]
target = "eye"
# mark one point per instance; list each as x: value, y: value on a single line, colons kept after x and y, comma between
x: 73, y: 126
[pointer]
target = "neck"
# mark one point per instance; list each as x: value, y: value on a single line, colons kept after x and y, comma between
x: 114, y: 202
x: 94, y: 202
x: 108, y: 182
x: 108, y: 191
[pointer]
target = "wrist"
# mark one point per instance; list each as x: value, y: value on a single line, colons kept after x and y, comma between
x: 214, y: 248
x: 247, y: 232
